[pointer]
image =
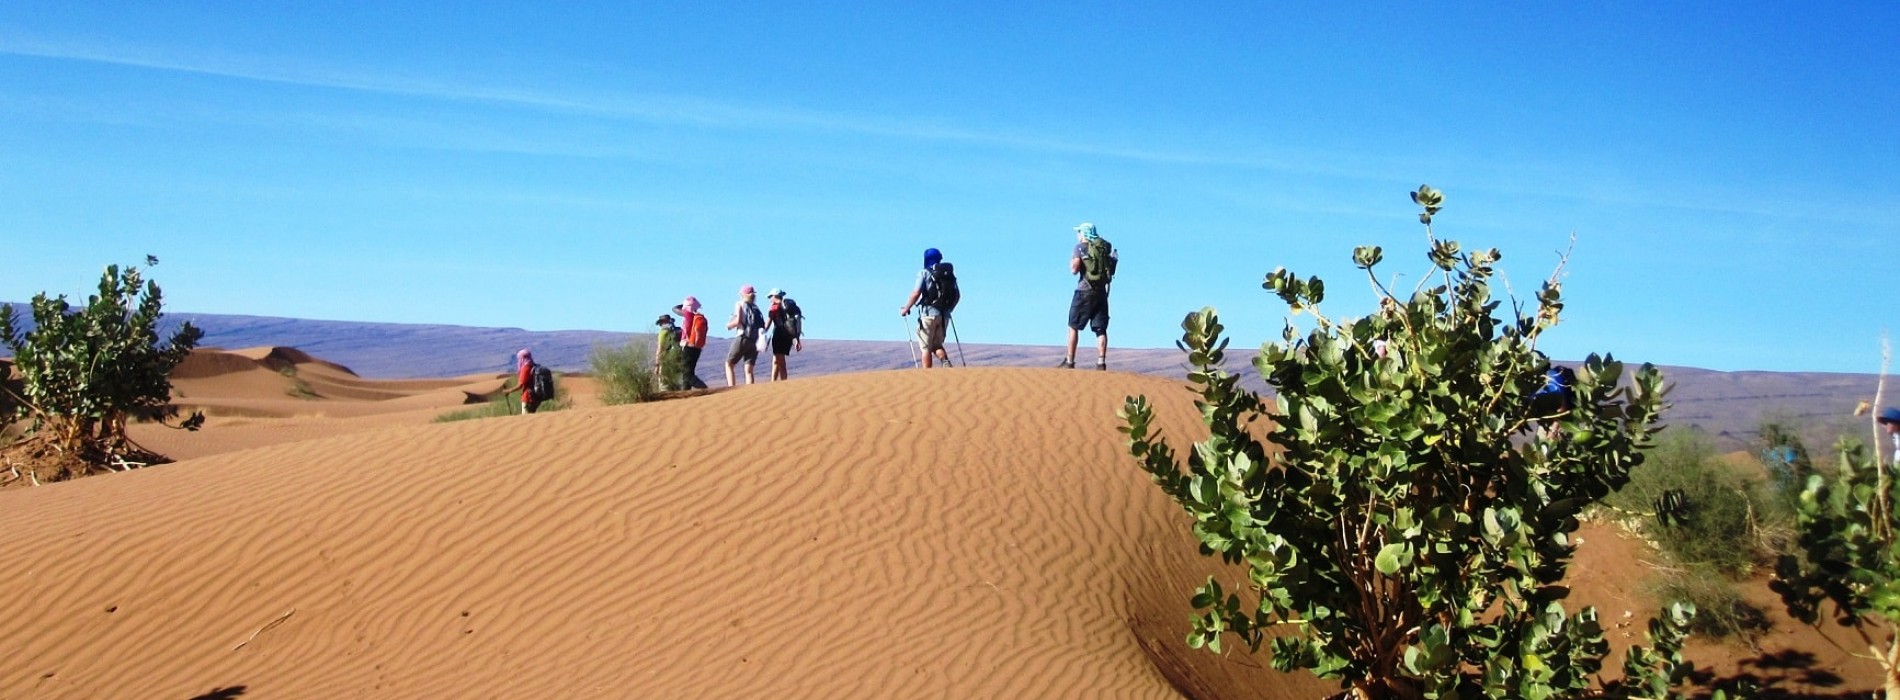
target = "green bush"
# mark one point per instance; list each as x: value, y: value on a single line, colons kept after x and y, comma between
x: 1721, y: 612
x: 1727, y: 523
x: 87, y: 372
x: 1847, y: 554
x: 625, y: 373
x: 1407, y: 530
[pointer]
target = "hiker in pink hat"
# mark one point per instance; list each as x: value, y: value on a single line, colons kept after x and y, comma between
x: 692, y: 341
x: 534, y: 381
x: 747, y: 320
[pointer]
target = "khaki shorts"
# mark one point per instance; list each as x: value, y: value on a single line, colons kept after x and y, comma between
x: 930, y: 332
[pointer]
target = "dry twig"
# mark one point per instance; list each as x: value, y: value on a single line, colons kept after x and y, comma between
x: 273, y: 623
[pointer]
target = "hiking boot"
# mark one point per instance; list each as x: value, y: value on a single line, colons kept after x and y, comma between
x: 1066, y: 364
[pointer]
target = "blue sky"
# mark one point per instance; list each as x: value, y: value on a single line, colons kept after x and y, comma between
x: 1728, y: 169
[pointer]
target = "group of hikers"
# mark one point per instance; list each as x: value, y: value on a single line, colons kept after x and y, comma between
x: 780, y: 328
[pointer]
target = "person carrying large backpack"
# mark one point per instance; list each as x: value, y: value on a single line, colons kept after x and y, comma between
x: 747, y: 320
x: 935, y: 295
x: 535, y: 381
x: 785, y: 323
x: 1093, y: 264
x: 692, y: 342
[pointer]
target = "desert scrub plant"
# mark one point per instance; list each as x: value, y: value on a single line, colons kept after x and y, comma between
x: 1408, y: 529
x: 1721, y: 611
x: 298, y: 387
x: 86, y: 373
x: 625, y: 372
x: 1847, y: 554
x: 1722, y: 521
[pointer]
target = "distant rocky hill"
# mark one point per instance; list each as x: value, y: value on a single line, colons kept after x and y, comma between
x: 1727, y: 405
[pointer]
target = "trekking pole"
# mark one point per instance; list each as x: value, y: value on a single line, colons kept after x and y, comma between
x: 953, y: 333
x: 910, y: 342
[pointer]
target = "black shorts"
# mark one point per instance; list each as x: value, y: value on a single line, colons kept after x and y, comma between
x: 781, y: 343
x: 1090, y: 308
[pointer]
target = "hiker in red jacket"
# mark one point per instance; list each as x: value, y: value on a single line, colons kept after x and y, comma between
x: 524, y: 376
x: 692, y: 341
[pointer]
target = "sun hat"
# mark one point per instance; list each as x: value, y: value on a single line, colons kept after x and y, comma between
x: 664, y: 320
x: 691, y: 304
x: 932, y: 257
x: 746, y: 290
x: 1087, y: 230
x: 1889, y: 415
x: 523, y: 354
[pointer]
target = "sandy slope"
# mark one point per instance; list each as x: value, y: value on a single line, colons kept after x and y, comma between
x: 974, y: 533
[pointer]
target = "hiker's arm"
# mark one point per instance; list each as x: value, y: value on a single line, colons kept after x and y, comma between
x: 1075, y: 266
x: 910, y: 302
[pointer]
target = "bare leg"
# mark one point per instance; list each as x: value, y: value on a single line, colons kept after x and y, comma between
x: 1101, y: 349
x: 730, y: 381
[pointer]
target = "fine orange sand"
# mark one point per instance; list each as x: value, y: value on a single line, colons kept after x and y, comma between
x: 973, y: 533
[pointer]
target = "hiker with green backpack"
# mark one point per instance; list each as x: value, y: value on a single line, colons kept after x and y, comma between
x: 1093, y: 263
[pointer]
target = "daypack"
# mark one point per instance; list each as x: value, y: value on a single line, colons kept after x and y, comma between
x: 749, y: 322
x: 1098, y: 262
x: 541, y: 382
x: 792, y: 318
x: 941, y: 292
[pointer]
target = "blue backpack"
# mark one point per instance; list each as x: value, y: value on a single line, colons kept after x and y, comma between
x: 1558, y: 392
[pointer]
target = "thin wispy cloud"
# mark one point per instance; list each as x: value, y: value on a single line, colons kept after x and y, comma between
x: 715, y: 114
x: 669, y: 109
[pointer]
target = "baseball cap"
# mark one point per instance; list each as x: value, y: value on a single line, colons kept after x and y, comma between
x: 776, y: 292
x: 1889, y: 415
x: 746, y: 290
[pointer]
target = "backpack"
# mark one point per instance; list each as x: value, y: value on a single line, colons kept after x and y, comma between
x: 792, y: 318
x: 1557, y: 393
x: 749, y: 322
x: 942, y: 293
x: 541, y: 382
x: 1098, y: 262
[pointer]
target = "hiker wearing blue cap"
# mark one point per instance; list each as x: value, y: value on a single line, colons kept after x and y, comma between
x: 935, y: 295
x: 1093, y: 264
x: 1889, y: 420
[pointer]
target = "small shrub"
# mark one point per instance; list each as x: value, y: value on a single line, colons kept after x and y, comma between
x: 625, y: 373
x: 1720, y: 610
x: 301, y: 389
x: 1407, y: 519
x: 1721, y: 508
x: 85, y: 373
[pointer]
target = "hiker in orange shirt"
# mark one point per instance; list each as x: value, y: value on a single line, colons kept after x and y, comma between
x: 692, y: 342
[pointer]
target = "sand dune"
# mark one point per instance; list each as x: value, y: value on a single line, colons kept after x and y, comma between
x: 978, y: 533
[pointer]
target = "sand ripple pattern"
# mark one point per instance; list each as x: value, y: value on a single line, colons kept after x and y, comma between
x: 975, y: 533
